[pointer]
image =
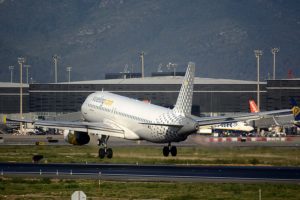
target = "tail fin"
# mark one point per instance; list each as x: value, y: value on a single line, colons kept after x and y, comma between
x: 4, y: 119
x: 295, y: 109
x: 183, y: 104
x: 253, y: 106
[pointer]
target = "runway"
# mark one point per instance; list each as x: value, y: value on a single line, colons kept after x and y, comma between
x: 153, y: 172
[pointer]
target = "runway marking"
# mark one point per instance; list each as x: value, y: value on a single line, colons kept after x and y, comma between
x: 130, y: 176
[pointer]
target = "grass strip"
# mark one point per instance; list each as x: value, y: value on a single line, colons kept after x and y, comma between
x: 273, y: 156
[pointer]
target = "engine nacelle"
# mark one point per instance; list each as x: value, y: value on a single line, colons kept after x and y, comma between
x: 76, y: 138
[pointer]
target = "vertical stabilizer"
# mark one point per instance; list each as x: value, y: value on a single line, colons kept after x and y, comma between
x: 4, y: 119
x: 183, y: 104
x: 295, y: 109
x: 253, y: 106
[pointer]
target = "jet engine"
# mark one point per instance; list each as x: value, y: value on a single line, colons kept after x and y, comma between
x: 76, y: 138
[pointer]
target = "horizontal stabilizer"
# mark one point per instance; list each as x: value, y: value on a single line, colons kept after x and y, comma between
x: 20, y: 120
x: 203, y: 121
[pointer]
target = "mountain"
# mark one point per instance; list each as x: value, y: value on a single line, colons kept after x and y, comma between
x: 99, y: 36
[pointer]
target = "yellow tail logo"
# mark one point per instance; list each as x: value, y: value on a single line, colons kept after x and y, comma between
x: 296, y: 110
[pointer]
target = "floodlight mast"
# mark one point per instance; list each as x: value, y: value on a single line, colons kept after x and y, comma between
x: 258, y: 54
x: 21, y: 61
x: 142, y: 54
x: 11, y: 68
x: 27, y: 66
x: 69, y: 69
x: 274, y: 52
x: 55, y: 59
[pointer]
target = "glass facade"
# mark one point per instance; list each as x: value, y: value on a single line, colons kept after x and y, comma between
x: 208, y: 98
x: 10, y: 100
x: 218, y: 98
x: 280, y: 92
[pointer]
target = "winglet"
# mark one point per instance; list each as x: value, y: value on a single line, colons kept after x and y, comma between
x: 295, y: 109
x: 183, y: 104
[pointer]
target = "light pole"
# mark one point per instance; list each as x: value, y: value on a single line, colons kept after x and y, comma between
x: 258, y: 54
x: 55, y: 59
x: 172, y: 65
x: 274, y: 51
x: 69, y: 73
x: 11, y: 68
x: 27, y: 66
x: 21, y: 61
x: 142, y: 60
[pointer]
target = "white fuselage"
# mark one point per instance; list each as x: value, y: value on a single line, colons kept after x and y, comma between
x: 235, y: 126
x: 139, y: 120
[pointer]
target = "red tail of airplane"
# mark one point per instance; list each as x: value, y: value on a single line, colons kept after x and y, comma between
x: 253, y: 106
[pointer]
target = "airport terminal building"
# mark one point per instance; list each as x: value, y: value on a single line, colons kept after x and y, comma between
x: 10, y: 98
x: 211, y: 96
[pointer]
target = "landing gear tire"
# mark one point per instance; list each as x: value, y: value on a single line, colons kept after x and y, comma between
x: 173, y: 151
x: 166, y: 151
x: 104, y: 151
x: 101, y: 153
x: 109, y: 153
x: 169, y: 149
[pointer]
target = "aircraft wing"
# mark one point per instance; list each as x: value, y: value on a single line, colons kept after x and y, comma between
x: 98, y: 128
x: 203, y: 121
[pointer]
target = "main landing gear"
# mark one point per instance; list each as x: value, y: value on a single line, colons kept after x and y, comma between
x: 104, y: 151
x: 169, y: 149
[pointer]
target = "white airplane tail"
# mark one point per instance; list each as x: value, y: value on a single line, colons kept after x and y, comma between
x: 183, y: 104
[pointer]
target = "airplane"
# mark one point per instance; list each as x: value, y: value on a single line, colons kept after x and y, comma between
x: 240, y: 126
x: 110, y: 115
x: 296, y: 112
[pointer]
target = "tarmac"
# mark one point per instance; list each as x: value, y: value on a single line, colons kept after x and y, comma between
x: 193, y: 140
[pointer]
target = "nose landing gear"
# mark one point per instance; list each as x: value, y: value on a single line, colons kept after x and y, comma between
x: 104, y: 151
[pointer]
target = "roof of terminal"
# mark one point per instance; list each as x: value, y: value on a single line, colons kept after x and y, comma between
x: 163, y: 80
x: 12, y: 85
x: 148, y: 80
